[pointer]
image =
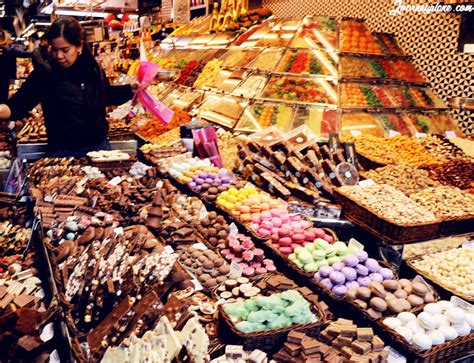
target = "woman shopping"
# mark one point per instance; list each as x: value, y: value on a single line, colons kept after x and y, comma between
x: 73, y: 94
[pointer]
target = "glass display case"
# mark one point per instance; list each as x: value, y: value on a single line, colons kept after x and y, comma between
x: 307, y: 62
x: 223, y: 110
x: 259, y: 116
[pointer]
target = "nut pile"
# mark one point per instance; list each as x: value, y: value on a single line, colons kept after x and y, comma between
x: 452, y: 268
x: 441, y: 147
x: 466, y: 145
x: 405, y: 178
x: 389, y: 203
x: 458, y: 173
x: 446, y: 202
x: 375, y: 149
x: 411, y: 152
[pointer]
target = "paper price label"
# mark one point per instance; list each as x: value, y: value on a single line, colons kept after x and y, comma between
x: 462, y: 304
x: 420, y: 134
x: 356, y: 244
x: 115, y: 181
x: 197, y: 285
x: 366, y: 182
x: 392, y: 133
x: 159, y: 183
x: 118, y: 231
x: 394, y: 356
x: 220, y: 302
x: 468, y: 244
x: 169, y: 250
x: 200, y: 246
x: 356, y: 133
x: 235, y: 269
x: 450, y: 134
x: 248, y: 185
x: 54, y: 357
x: 233, y: 230
x: 47, y: 333
x: 203, y: 212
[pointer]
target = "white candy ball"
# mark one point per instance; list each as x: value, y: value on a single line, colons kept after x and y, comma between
x: 470, y: 319
x: 405, y: 332
x: 392, y: 323
x: 415, y: 327
x: 463, y: 329
x: 455, y: 315
x: 426, y: 320
x: 406, y: 316
x: 445, y: 305
x: 437, y: 337
x: 433, y: 308
x: 422, y: 341
x: 449, y: 332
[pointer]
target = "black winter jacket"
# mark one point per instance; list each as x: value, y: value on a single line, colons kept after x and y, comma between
x: 73, y: 101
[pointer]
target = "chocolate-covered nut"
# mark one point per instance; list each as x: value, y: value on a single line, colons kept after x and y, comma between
x: 210, y: 283
x: 404, y: 282
x: 378, y: 304
x: 401, y: 294
x: 377, y: 289
x: 391, y: 285
x: 218, y: 262
x: 363, y: 293
x: 419, y: 289
x: 352, y: 294
x: 389, y: 296
x: 415, y: 300
x: 221, y: 279
x: 374, y: 314
x: 429, y: 298
x: 361, y: 303
x: 395, y: 305
x: 204, y: 277
x: 236, y: 291
x: 408, y: 289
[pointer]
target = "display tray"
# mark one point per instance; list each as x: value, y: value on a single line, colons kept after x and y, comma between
x: 376, y: 124
x: 259, y: 116
x: 223, y: 110
x: 318, y: 32
x: 457, y: 226
x: 252, y: 86
x: 435, y: 280
x: 355, y: 37
x: 309, y: 62
x: 440, y: 353
x: 388, y: 231
x: 239, y: 58
x: 274, y: 338
x: 302, y: 90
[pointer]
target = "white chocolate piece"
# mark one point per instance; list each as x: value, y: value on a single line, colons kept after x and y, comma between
x: 449, y: 332
x: 433, y: 308
x: 437, y: 337
x: 405, y: 332
x: 422, y: 341
x: 406, y: 316
x: 393, y: 323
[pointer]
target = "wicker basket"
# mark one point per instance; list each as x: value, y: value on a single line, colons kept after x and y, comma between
x: 386, y: 230
x: 436, y: 281
x: 440, y: 353
x: 359, y: 311
x: 269, y: 340
x: 457, y: 226
x: 119, y: 164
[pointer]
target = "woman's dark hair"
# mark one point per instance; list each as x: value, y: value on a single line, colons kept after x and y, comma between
x: 70, y: 29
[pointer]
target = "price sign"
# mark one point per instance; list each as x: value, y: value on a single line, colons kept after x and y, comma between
x: 356, y: 133
x: 356, y: 244
x: 460, y: 303
x: 366, y: 182
x: 393, y: 133
x: 450, y: 134
x: 235, y: 269
x: 200, y: 246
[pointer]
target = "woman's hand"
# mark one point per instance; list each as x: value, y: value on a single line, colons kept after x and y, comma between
x: 134, y: 86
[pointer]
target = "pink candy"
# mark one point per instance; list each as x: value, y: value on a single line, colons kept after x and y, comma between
x: 256, y: 219
x: 264, y: 232
x: 277, y: 222
x: 267, y: 225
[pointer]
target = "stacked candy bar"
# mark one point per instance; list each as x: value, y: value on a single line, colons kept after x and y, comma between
x: 236, y: 354
x: 356, y: 344
x: 301, y: 348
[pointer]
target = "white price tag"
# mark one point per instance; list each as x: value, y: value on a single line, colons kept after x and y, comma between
x: 468, y: 244
x: 392, y: 133
x: 159, y: 183
x: 200, y: 246
x: 394, y: 356
x: 420, y: 279
x: 356, y: 133
x: 356, y: 244
x: 54, y: 357
x: 197, y: 285
x: 235, y: 269
x: 233, y: 231
x: 118, y: 231
x: 47, y: 333
x: 450, y: 134
x: 169, y: 249
x: 462, y: 304
x: 220, y: 302
x: 420, y: 134
x: 366, y: 182
x: 115, y: 181
x: 248, y: 185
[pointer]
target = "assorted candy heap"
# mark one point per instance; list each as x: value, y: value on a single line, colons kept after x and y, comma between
x: 354, y: 271
x: 270, y: 312
x: 210, y: 184
x: 241, y: 249
x: 290, y: 236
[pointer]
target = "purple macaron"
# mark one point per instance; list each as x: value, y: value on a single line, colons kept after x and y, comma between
x: 325, y: 271
x: 372, y: 265
x: 339, y: 290
x: 337, y: 278
x: 386, y: 273
x: 327, y: 283
x: 349, y: 273
x: 364, y: 281
x: 317, y: 276
x: 338, y: 266
x: 376, y: 277
x: 362, y: 270
x: 362, y: 255
x: 352, y: 285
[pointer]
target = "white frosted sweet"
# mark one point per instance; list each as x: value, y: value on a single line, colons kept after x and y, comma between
x: 406, y: 316
x: 426, y: 320
x: 455, y: 315
x: 405, y: 332
x: 433, y: 308
x: 463, y: 329
x: 449, y: 332
x: 422, y: 341
x: 393, y: 323
x: 437, y: 337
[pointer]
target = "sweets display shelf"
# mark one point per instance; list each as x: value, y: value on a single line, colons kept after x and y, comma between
x: 300, y: 62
